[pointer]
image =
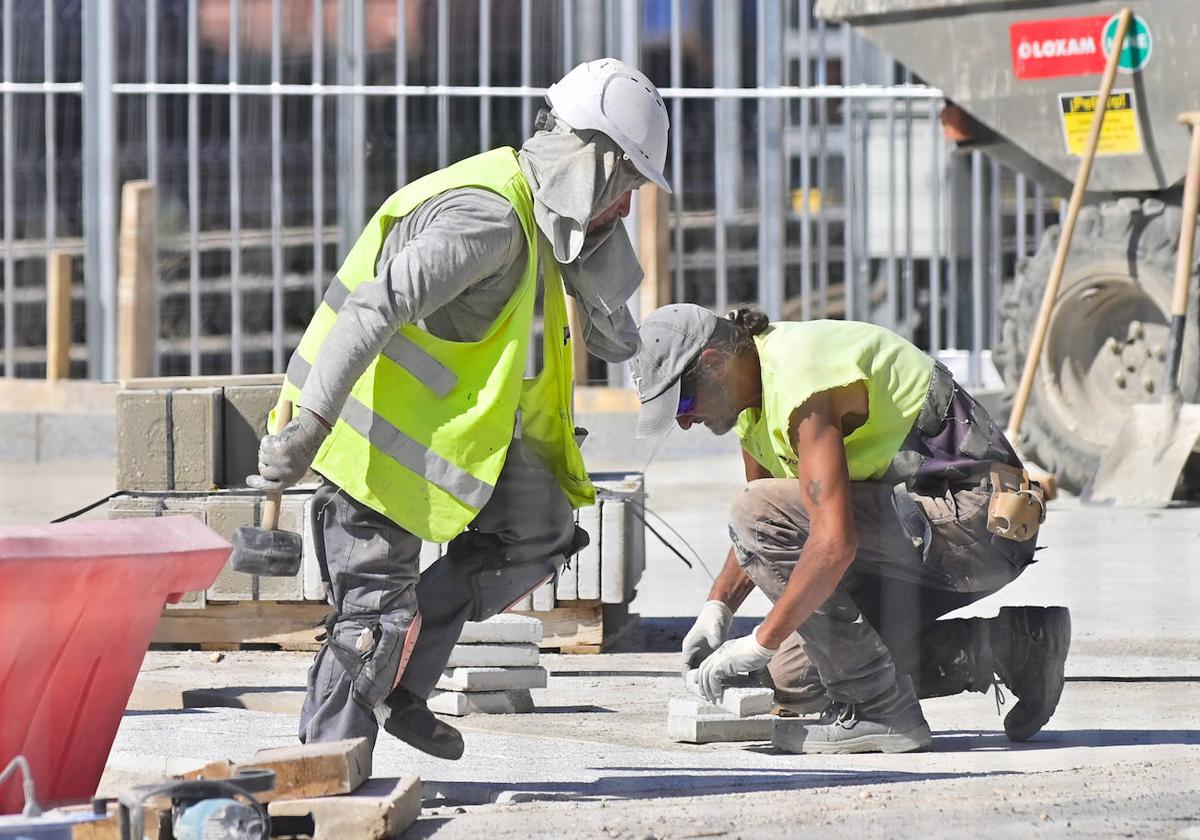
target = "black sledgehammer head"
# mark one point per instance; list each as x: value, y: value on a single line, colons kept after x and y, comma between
x: 259, y: 551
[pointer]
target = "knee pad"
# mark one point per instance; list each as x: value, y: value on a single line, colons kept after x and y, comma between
x: 373, y: 648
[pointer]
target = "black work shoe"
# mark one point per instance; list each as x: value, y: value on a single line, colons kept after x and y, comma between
x: 1029, y: 649
x: 404, y: 715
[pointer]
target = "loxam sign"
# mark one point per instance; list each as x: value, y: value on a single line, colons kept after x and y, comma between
x: 1043, y: 49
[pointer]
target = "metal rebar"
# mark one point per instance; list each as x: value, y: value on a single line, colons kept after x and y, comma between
x: 806, y: 272
x: 443, y: 77
x: 401, y: 98
x: 910, y: 281
x: 677, y: 135
x: 935, y: 231
x: 10, y: 280
x: 235, y: 195
x: 193, y: 170
x: 318, y: 157
x: 974, y: 375
x: 822, y: 176
x: 526, y: 62
x: 485, y: 72
x: 277, y: 359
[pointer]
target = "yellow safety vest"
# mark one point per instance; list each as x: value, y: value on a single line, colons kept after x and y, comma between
x: 426, y: 428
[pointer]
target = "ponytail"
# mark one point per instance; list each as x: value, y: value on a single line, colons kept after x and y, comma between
x: 735, y: 332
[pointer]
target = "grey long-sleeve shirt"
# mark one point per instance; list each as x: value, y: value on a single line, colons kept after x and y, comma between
x: 453, y: 262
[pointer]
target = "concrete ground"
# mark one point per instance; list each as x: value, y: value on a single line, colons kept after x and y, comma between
x: 1120, y: 758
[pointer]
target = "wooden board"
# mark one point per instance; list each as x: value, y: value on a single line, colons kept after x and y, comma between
x: 291, y: 625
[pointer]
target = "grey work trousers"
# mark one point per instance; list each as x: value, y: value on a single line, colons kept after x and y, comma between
x: 885, y: 607
x: 520, y: 537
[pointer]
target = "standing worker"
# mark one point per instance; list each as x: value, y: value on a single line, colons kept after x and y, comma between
x: 880, y: 496
x: 414, y: 406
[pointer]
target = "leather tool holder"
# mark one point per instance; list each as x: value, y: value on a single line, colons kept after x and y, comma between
x: 1017, y: 508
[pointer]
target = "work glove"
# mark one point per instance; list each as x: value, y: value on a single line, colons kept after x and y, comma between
x: 739, y: 656
x: 283, y: 459
x: 706, y: 635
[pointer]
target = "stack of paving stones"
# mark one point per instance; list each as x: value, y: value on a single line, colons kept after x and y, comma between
x: 492, y: 668
x: 742, y: 715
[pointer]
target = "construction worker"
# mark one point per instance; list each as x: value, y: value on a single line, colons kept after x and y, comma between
x: 413, y: 401
x: 880, y: 496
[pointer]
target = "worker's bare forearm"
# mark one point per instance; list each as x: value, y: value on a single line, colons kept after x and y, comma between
x: 814, y: 578
x: 732, y: 585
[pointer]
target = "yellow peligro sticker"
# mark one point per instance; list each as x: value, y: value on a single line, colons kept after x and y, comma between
x: 1118, y: 136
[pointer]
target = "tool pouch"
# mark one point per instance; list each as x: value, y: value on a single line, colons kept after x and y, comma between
x: 1018, y: 507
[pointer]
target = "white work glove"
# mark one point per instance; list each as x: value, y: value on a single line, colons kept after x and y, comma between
x: 283, y: 459
x: 739, y: 656
x: 707, y: 634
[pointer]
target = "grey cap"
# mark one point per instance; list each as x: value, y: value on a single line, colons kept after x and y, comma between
x: 671, y: 338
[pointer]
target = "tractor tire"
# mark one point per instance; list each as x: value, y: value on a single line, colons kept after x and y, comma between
x: 1107, y: 337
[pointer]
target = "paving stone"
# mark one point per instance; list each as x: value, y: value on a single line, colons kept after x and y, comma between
x: 499, y: 656
x: 745, y: 702
x: 543, y: 597
x: 245, y: 411
x: 690, y: 721
x: 380, y: 809
x: 460, y: 703
x: 491, y: 679
x: 614, y: 550
x: 198, y: 440
x: 566, y: 582
x: 321, y: 769
x: 504, y: 628
x: 588, y: 560
x: 142, y: 425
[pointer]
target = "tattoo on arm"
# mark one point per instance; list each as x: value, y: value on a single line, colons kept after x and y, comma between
x: 814, y: 492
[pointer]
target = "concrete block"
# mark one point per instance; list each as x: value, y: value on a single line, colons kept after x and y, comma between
x: 380, y: 809
x: 198, y: 440
x: 504, y: 628
x: 493, y: 656
x: 588, y: 560
x: 245, y: 411
x: 310, y: 569
x: 745, y: 702
x: 690, y: 721
x: 142, y: 430
x: 322, y: 769
x: 459, y: 703
x: 19, y: 436
x: 82, y: 437
x: 543, y: 597
x: 430, y: 553
x: 132, y: 508
x: 228, y: 513
x: 491, y: 679
x: 566, y: 583
x: 614, y: 550
x: 525, y: 604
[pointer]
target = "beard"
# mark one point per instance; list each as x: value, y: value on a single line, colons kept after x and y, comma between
x: 723, y: 414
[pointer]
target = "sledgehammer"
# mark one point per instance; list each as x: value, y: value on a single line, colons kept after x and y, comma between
x: 263, y: 550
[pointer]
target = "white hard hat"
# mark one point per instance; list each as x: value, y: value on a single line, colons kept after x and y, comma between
x: 610, y: 96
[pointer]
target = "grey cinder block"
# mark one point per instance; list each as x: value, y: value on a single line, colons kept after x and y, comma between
x: 228, y: 513
x: 689, y: 720
x: 498, y: 656
x: 504, y: 628
x: 525, y: 604
x: 491, y: 679
x: 566, y: 582
x: 198, y: 440
x: 245, y: 411
x: 460, y: 703
x: 142, y: 425
x: 588, y: 560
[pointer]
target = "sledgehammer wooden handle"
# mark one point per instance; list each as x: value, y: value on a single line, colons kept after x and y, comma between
x: 270, y: 509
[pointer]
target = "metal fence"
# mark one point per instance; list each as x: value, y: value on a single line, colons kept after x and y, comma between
x: 809, y: 170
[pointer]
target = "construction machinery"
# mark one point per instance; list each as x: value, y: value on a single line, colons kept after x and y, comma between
x: 1021, y: 77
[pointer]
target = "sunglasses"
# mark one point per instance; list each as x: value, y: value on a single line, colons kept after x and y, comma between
x: 687, y: 395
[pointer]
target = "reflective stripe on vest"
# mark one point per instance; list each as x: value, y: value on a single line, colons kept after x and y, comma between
x: 400, y: 349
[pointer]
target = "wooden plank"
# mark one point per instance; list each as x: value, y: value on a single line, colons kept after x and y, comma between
x: 654, y: 249
x: 292, y: 626
x: 59, y: 267
x: 323, y: 769
x: 137, y: 282
x: 578, y: 623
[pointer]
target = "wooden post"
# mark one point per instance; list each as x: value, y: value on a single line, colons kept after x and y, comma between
x: 58, y: 316
x: 137, y: 282
x: 654, y: 249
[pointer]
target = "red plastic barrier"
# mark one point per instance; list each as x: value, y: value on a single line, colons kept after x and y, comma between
x: 78, y: 605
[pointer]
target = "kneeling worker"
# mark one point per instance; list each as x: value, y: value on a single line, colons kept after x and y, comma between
x: 880, y: 496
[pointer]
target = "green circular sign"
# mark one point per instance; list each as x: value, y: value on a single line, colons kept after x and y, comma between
x: 1137, y: 43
